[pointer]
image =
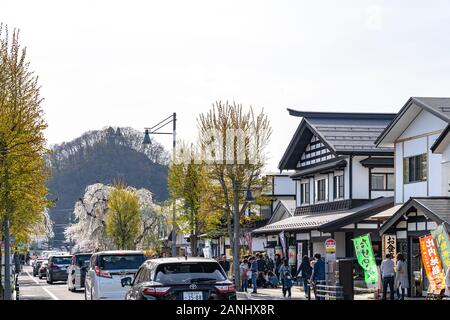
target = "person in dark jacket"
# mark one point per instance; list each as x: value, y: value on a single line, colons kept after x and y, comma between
x: 269, y: 263
x: 286, y: 278
x: 225, y: 264
x: 254, y: 269
x: 318, y: 275
x: 278, y: 263
x: 305, y: 272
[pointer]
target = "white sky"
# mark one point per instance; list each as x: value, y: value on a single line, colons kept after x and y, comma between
x: 132, y: 63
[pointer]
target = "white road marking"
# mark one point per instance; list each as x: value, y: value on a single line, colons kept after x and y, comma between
x: 50, y: 294
x: 32, y: 278
x: 44, y: 288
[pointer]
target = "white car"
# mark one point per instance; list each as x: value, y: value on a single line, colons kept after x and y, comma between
x: 106, y: 271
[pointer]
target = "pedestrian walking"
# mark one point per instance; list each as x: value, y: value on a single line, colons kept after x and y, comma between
x: 225, y: 264
x: 254, y: 269
x: 286, y: 278
x: 270, y: 265
x: 305, y: 272
x: 401, y: 277
x: 387, y: 270
x: 244, y: 271
x: 318, y: 273
x: 278, y: 263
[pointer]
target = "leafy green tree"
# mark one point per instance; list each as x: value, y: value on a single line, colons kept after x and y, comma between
x: 23, y: 169
x: 123, y: 218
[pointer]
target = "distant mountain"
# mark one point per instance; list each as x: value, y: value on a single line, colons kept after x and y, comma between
x: 103, y: 156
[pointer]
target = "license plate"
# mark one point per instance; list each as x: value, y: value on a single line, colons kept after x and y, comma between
x: 193, y: 295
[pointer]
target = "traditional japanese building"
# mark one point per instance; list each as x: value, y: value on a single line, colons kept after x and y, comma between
x: 419, y: 135
x: 342, y: 180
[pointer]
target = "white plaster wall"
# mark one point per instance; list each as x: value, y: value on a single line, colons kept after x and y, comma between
x: 398, y: 165
x: 360, y: 179
x: 434, y: 169
x: 415, y: 147
x: 298, y: 195
x: 347, y: 179
x: 445, y: 167
x: 415, y: 189
x: 377, y: 194
x: 424, y: 123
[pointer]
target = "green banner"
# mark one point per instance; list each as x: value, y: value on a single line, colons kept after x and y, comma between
x: 441, y: 238
x: 366, y: 259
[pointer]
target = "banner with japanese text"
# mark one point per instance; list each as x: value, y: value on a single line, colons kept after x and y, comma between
x: 442, y: 240
x: 283, y: 243
x: 389, y: 245
x: 366, y: 259
x: 432, y: 264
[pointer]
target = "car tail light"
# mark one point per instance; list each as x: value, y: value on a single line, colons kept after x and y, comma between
x: 101, y: 273
x: 226, y: 288
x: 155, y: 290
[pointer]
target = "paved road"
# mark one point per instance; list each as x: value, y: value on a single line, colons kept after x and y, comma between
x: 31, y: 288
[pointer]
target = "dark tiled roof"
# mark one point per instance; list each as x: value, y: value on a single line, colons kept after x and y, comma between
x: 342, y: 133
x: 321, y: 167
x: 322, y: 221
x: 435, y: 208
x: 441, y: 138
x: 378, y: 162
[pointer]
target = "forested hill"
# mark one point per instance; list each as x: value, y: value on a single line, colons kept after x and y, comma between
x: 103, y: 156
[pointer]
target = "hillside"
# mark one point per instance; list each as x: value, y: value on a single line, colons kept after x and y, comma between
x: 101, y: 157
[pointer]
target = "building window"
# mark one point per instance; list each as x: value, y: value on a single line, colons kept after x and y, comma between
x: 338, y: 187
x: 382, y: 182
x: 415, y: 168
x: 304, y: 193
x: 321, y: 190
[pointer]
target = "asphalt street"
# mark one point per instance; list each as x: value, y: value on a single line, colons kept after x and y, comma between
x: 32, y: 288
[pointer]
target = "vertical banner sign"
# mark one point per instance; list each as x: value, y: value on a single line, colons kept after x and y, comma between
x: 299, y: 253
x: 441, y: 238
x: 283, y: 243
x: 432, y: 264
x: 390, y: 245
x: 292, y: 256
x: 279, y: 250
x: 366, y: 259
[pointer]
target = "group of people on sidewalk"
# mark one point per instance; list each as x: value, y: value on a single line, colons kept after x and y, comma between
x: 395, y: 276
x: 262, y: 271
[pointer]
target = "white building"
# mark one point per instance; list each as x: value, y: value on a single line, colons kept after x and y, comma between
x: 419, y: 135
x: 341, y: 181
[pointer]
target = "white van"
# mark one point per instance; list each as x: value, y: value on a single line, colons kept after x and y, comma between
x: 106, y: 271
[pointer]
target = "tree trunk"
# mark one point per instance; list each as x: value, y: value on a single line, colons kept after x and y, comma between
x: 236, y: 243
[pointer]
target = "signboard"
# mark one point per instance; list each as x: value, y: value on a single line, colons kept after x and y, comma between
x: 441, y: 238
x: 299, y: 253
x: 432, y: 264
x: 330, y: 246
x: 279, y: 250
x: 389, y: 245
x: 283, y: 242
x: 366, y: 259
x: 292, y: 256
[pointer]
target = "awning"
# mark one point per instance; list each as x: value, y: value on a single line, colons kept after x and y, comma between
x: 320, y: 168
x: 331, y: 220
x: 378, y: 162
x: 434, y: 208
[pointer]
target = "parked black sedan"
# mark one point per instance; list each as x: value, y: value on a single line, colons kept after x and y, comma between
x: 180, y: 279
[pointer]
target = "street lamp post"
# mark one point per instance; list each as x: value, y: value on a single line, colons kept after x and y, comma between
x: 154, y: 130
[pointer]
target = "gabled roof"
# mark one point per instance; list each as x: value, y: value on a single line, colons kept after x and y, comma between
x: 440, y: 107
x: 287, y: 205
x: 435, y: 208
x: 342, y: 133
x: 330, y: 220
x: 442, y: 141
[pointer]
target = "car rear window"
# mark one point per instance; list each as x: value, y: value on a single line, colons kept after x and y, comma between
x: 61, y: 260
x: 189, y: 272
x: 82, y: 259
x: 118, y: 262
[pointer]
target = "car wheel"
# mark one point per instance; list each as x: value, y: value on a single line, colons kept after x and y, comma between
x: 85, y: 295
x: 49, y: 279
x: 40, y: 277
